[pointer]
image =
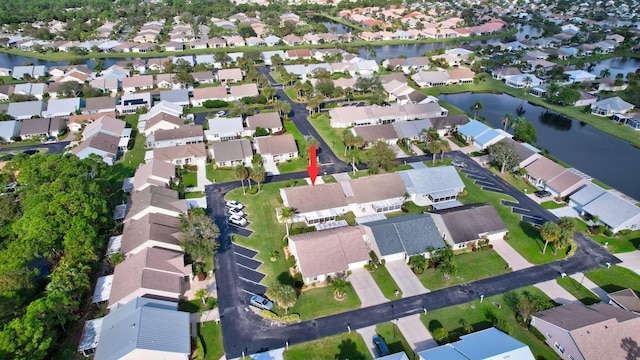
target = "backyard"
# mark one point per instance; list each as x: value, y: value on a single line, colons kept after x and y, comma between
x: 619, y: 243
x: 333, y: 137
x: 524, y: 237
x: 339, y: 347
x: 482, y: 316
x: 471, y: 266
x: 211, y: 334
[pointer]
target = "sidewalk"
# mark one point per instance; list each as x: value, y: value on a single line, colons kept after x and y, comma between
x: 417, y: 335
x: 556, y: 292
x: 581, y: 278
x: 630, y: 260
x: 512, y: 257
x: 202, y: 179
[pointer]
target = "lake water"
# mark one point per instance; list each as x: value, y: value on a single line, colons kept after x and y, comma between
x: 527, y: 31
x: 600, y: 155
x: 617, y: 65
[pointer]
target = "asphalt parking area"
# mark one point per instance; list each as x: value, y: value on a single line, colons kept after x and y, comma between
x: 247, y: 261
x: 533, y: 219
x: 247, y: 265
x: 250, y: 274
x: 238, y: 230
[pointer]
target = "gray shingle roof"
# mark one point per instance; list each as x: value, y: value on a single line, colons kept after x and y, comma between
x: 431, y: 180
x: 411, y: 234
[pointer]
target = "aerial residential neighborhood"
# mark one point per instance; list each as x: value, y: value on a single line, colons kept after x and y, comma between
x: 319, y: 180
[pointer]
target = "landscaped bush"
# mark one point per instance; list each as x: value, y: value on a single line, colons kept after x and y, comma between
x: 537, y: 333
x: 504, y: 326
x: 608, y: 233
x: 215, y: 104
x: 285, y: 318
x: 374, y: 257
x: 440, y: 334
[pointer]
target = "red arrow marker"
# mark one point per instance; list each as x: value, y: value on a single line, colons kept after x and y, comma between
x: 313, y: 169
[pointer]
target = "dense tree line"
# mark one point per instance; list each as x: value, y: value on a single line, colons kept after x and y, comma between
x: 59, y: 215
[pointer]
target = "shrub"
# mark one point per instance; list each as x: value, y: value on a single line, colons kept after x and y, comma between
x: 573, y: 247
x: 504, y: 326
x: 507, y: 236
x: 373, y: 256
x: 440, y: 334
x: 215, y: 104
x: 383, y: 262
x: 298, y: 282
x: 211, y: 303
x: 624, y: 232
x: 608, y: 233
x: 537, y: 333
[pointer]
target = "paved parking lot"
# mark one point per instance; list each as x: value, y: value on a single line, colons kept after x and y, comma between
x: 366, y: 288
x: 405, y: 278
x: 249, y: 277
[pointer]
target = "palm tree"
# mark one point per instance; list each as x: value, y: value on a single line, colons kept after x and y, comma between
x: 550, y: 232
x: 444, y: 147
x: 507, y: 121
x: 418, y: 263
x: 527, y: 83
x: 605, y: 73
x: 434, y: 148
x: 242, y: 173
x: 269, y: 92
x: 349, y: 139
x: 259, y: 175
x: 287, y: 214
x: 553, y: 89
x: 340, y: 287
x: 201, y: 294
x: 476, y: 107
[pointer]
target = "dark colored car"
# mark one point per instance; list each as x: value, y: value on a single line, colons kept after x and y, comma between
x: 542, y: 193
x: 30, y: 152
x: 381, y: 346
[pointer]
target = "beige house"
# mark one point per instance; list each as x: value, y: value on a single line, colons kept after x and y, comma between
x: 190, y: 154
x: 151, y: 231
x: 232, y: 152
x: 154, y: 199
x: 277, y: 148
x: 154, y: 173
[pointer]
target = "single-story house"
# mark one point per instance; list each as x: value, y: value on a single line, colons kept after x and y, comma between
x: 178, y: 97
x: 560, y: 181
x: 137, y: 83
x: 36, y: 90
x: 200, y: 95
x: 62, y: 107
x: 277, y: 148
x: 104, y: 145
x: 229, y: 75
x: 585, y: 99
x: 610, y: 106
x: 402, y: 237
x: 464, y: 226
x: 612, y: 211
x: 161, y: 121
x: 186, y: 134
x: 152, y: 230
x: 522, y: 81
x: 107, y: 125
x: 580, y: 76
x: 145, y: 328
x: 131, y: 103
x: 329, y: 253
x: 154, y: 199
x: 9, y: 129
x: 347, y: 116
x: 480, y: 134
x: 432, y: 185
x: 632, y: 120
x: 153, y: 173
x: 34, y: 127
x: 189, y: 154
x: 100, y: 104
x: 504, y: 73
x: 270, y: 121
x: 232, y: 152
x: 26, y: 109
x: 490, y: 343
x: 221, y: 129
x: 373, y: 133
x: 242, y: 91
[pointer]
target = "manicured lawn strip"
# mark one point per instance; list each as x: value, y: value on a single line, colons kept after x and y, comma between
x: 601, y: 184
x: 365, y: 173
x: 221, y: 174
x: 316, y: 303
x: 333, y: 137
x: 471, y: 267
x: 580, y: 292
x: 480, y: 318
x: 411, y: 208
x: 453, y: 110
x: 386, y: 283
x: 515, y: 180
x: 127, y: 166
x: 489, y: 85
x: 620, y: 243
x: 211, y: 333
x: 615, y: 278
x: 525, y: 238
x: 276, y: 76
x: 329, y: 179
x: 16, y: 144
x: 190, y: 179
x: 394, y: 339
x: 552, y: 205
x: 301, y: 163
x: 268, y: 233
x: 339, y: 347
x: 194, y: 195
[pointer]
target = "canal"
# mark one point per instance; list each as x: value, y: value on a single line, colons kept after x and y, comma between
x: 602, y: 156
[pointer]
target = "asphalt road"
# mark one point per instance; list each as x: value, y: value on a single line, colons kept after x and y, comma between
x: 244, y: 332
x: 54, y: 148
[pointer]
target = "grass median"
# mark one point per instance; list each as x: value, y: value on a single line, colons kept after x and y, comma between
x: 578, y: 291
x: 343, y: 346
x: 615, y: 278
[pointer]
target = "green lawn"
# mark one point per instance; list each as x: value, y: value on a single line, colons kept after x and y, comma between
x: 190, y: 179
x: 620, y: 243
x: 333, y: 137
x: 515, y: 180
x: 365, y: 173
x: 471, y: 267
x: 409, y: 208
x: 194, y: 195
x: 302, y: 162
x: 552, y: 205
x: 339, y: 347
x: 221, y: 174
x: 525, y: 238
x: 127, y: 166
x: 329, y: 179
x: 211, y: 333
x: 580, y: 292
x: 276, y: 76
x: 386, y: 283
x: 394, y: 339
x: 480, y: 315
x: 615, y: 278
x: 316, y: 303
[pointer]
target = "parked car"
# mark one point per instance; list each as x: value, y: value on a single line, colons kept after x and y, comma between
x: 460, y: 164
x: 234, y: 204
x: 542, y: 193
x: 261, y: 302
x: 381, y: 346
x: 236, y: 212
x: 237, y: 220
x: 221, y: 113
x: 30, y: 152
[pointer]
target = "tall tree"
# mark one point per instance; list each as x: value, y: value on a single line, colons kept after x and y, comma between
x: 505, y: 154
x: 567, y: 227
x: 259, y: 174
x: 444, y: 147
x: 507, y: 121
x: 605, y: 73
x: 434, y: 147
x: 550, y: 232
x: 287, y: 213
x: 380, y: 156
x: 284, y: 295
x: 524, y: 131
x: 349, y: 139
x: 476, y: 107
x: 198, y: 235
x: 242, y: 173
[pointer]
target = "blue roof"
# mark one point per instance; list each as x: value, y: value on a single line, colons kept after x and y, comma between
x: 486, y: 137
x: 473, y: 128
x: 485, y: 344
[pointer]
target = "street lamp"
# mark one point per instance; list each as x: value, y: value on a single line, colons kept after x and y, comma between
x: 481, y: 298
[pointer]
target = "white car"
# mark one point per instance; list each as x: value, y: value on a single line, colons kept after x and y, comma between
x: 234, y: 204
x: 221, y: 113
x: 237, y: 220
x: 235, y: 211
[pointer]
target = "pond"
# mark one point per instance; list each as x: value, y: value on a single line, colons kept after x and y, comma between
x: 383, y: 52
x: 617, y: 65
x: 332, y: 26
x: 590, y: 150
x: 526, y: 31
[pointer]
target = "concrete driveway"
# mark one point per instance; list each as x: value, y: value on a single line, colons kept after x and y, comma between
x: 417, y: 335
x: 630, y: 260
x: 556, y: 292
x: 405, y: 278
x: 366, y: 288
x: 512, y: 257
x: 367, y: 334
